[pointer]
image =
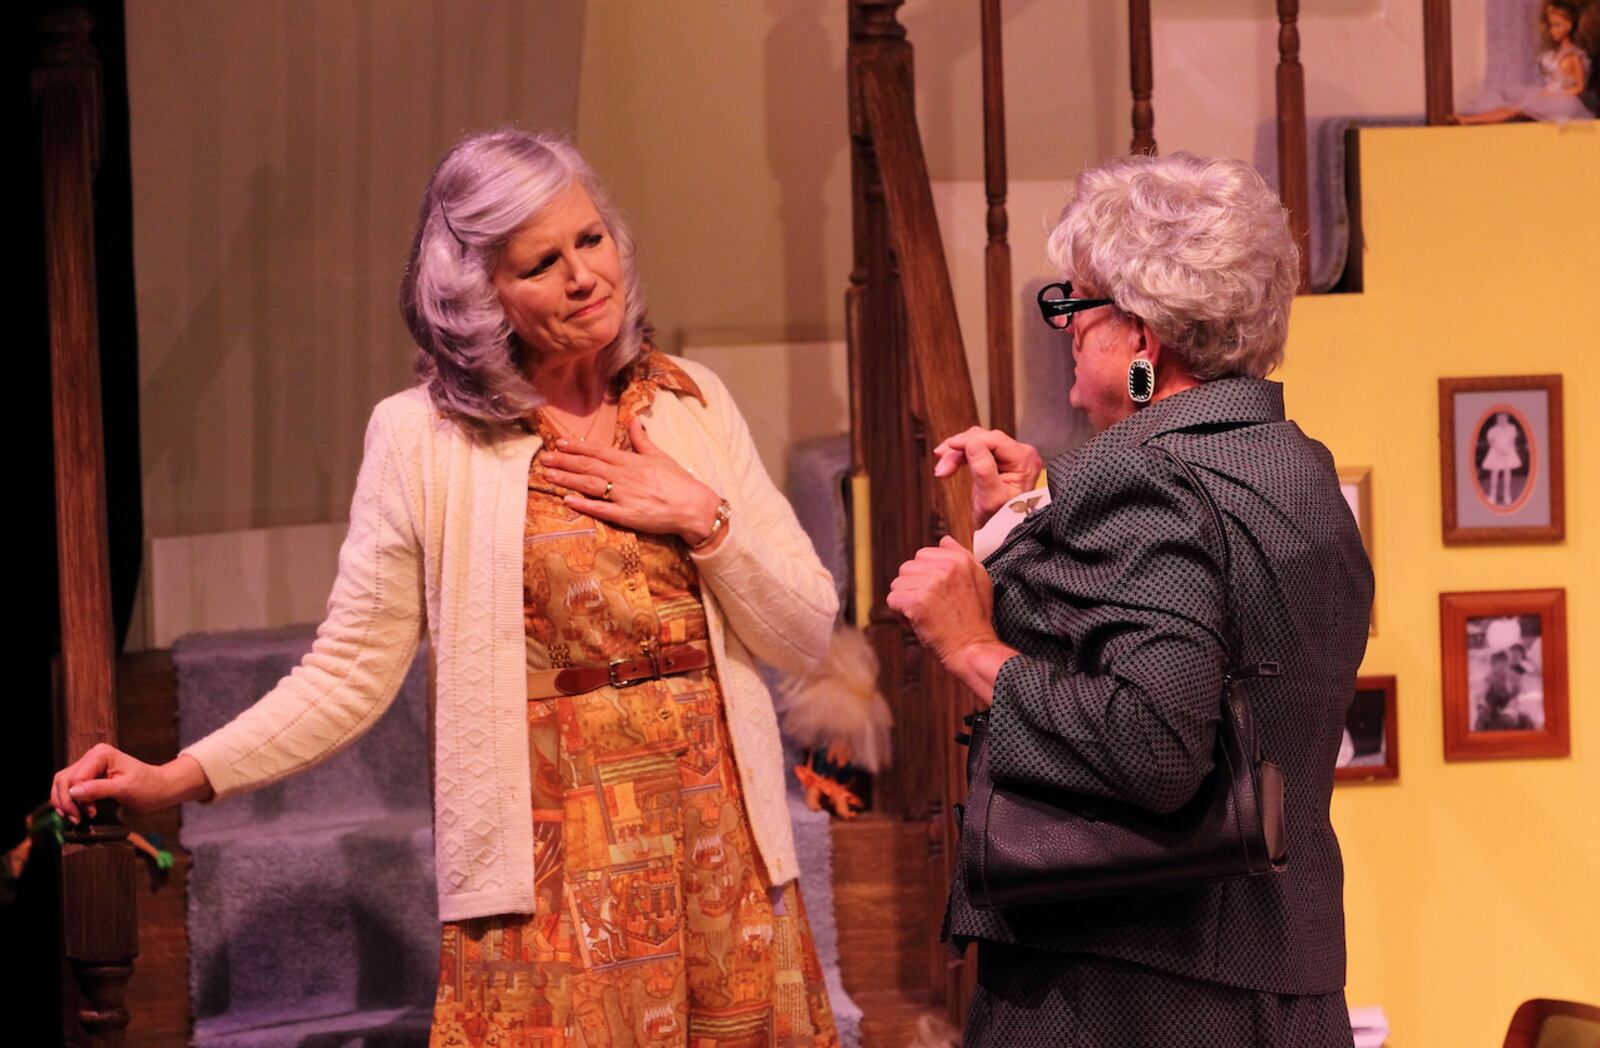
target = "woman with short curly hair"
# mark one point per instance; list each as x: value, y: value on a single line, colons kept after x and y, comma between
x: 1194, y: 249
x: 1199, y: 531
x: 582, y: 528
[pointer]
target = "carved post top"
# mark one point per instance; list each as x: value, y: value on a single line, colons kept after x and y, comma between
x: 876, y: 35
x: 67, y: 59
x: 66, y: 38
x: 66, y: 50
x: 106, y: 826
x: 876, y: 19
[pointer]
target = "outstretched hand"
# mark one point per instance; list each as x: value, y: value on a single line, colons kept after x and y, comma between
x: 1002, y: 467
x: 105, y: 773
x: 648, y: 491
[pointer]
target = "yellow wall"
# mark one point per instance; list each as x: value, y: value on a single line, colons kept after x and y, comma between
x: 1470, y: 887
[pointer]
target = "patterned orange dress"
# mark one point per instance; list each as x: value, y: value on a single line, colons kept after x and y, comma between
x: 655, y: 923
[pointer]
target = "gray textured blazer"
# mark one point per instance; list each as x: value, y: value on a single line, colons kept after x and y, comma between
x: 1114, y: 596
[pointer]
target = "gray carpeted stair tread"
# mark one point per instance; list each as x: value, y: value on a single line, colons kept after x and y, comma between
x: 317, y: 923
x: 402, y: 822
x: 385, y: 770
x: 372, y: 1028
x: 818, y: 469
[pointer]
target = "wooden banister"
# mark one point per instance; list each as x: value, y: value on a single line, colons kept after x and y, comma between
x: 997, y: 252
x: 1437, y: 61
x: 935, y: 333
x: 1141, y: 77
x: 884, y: 432
x: 100, y: 933
x: 1293, y: 180
x: 912, y: 388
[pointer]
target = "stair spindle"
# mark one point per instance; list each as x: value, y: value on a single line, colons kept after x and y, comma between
x: 1293, y: 184
x: 1141, y: 77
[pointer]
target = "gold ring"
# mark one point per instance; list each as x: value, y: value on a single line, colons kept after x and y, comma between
x: 606, y: 494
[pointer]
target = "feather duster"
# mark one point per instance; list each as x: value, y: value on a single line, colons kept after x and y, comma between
x: 836, y: 707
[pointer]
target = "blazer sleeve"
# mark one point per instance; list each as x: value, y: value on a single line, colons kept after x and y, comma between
x: 363, y: 648
x: 772, y: 588
x: 1117, y: 692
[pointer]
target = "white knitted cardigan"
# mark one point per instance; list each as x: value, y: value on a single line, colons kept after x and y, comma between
x: 435, y: 542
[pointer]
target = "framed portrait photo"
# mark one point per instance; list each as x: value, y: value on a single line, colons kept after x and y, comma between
x: 1505, y: 674
x: 1500, y: 456
x: 1371, y: 745
x: 1355, y: 484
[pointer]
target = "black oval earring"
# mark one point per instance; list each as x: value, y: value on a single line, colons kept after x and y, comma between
x: 1141, y: 381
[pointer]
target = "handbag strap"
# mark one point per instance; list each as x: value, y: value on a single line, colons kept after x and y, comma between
x: 1232, y: 640
x: 1233, y: 644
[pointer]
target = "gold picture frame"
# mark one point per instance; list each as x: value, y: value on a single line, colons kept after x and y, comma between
x: 1504, y: 674
x: 1355, y: 483
x: 1501, y: 459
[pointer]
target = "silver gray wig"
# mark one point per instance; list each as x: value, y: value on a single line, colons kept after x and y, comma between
x: 1197, y: 247
x: 487, y: 187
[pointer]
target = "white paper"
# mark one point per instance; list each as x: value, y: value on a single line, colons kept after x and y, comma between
x: 988, y: 538
x: 1369, y: 1025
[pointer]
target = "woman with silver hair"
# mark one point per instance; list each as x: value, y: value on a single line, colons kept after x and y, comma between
x: 581, y: 526
x: 1098, y: 634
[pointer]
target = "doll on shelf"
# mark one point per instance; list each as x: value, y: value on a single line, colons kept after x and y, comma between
x: 1569, y: 29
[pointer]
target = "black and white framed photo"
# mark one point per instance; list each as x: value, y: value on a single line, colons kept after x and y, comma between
x: 1500, y: 454
x: 1370, y: 748
x: 1505, y: 674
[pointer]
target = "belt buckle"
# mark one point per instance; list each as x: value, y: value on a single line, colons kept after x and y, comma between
x: 655, y: 670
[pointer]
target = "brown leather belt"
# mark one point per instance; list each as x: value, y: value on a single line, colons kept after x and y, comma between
x: 619, y: 673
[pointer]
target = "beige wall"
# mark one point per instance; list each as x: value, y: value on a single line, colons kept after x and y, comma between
x: 279, y: 152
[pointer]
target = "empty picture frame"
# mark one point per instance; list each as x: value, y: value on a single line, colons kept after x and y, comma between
x: 1504, y: 674
x: 1500, y: 456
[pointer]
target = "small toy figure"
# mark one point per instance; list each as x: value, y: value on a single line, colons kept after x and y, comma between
x: 1569, y: 29
x: 819, y: 788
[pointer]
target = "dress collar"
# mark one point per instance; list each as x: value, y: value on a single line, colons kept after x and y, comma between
x: 1224, y: 403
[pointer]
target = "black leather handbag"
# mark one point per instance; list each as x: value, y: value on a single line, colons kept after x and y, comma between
x: 1021, y: 846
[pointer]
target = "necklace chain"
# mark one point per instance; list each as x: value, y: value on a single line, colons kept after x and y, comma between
x: 569, y: 434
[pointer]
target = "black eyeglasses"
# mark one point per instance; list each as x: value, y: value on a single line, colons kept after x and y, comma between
x: 1058, y: 305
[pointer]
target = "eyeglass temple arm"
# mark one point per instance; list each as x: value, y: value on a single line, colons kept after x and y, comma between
x: 1058, y: 306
